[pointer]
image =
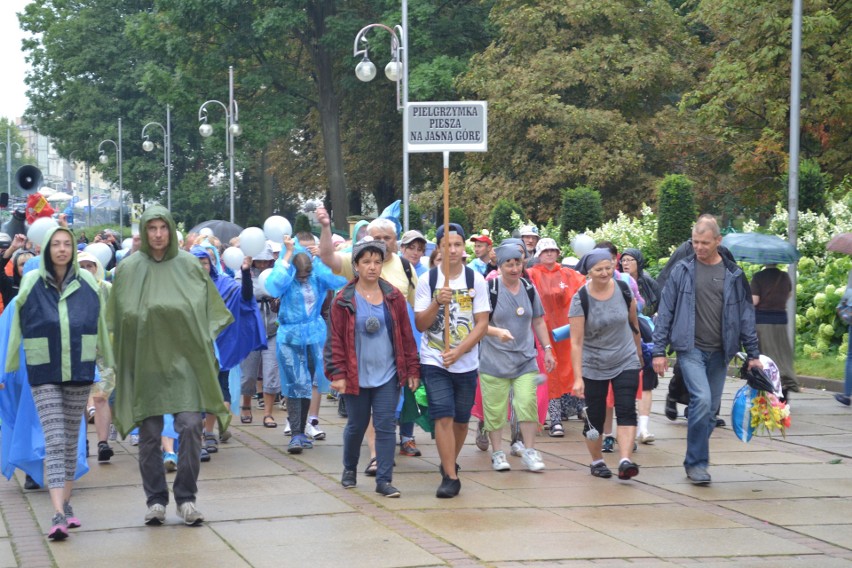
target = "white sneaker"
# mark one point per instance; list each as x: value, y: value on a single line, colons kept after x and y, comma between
x: 113, y: 433
x: 532, y: 459
x: 313, y: 431
x: 518, y: 449
x: 156, y: 515
x: 190, y: 515
x: 499, y: 462
x: 134, y: 439
x: 646, y: 437
x: 287, y: 430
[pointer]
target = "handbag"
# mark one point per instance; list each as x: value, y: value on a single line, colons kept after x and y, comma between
x: 844, y: 311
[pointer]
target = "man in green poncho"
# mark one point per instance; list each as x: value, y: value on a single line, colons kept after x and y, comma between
x: 165, y: 314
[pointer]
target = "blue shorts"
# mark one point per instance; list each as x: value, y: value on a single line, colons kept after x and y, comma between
x: 449, y: 394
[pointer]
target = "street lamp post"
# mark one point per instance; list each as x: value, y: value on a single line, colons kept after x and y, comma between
x: 396, y: 70
x: 8, y: 151
x: 147, y: 145
x: 232, y: 115
x: 104, y: 160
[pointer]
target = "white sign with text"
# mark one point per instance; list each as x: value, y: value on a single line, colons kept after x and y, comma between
x: 455, y: 126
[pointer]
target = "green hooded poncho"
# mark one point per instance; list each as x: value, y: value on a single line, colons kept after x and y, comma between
x: 165, y: 316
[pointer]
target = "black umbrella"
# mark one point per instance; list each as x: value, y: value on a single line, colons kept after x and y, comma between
x: 756, y: 378
x: 222, y: 230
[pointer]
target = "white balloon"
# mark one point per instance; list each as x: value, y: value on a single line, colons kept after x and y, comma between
x: 582, y: 244
x: 276, y: 227
x: 127, y: 243
x: 206, y: 231
x: 233, y: 258
x: 101, y: 251
x: 39, y: 229
x: 252, y: 241
x: 179, y: 237
x: 261, y: 279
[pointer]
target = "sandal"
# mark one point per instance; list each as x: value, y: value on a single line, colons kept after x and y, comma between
x: 557, y: 431
x: 246, y: 419
x: 269, y: 422
x: 372, y: 468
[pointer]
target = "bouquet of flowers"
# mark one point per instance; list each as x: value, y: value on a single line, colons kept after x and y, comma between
x: 769, y: 413
x: 758, y: 405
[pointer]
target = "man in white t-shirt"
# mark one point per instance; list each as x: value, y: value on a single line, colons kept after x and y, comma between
x: 449, y: 371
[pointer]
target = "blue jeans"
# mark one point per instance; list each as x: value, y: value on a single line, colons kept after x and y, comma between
x: 847, y: 385
x: 704, y: 375
x: 381, y: 401
x: 449, y: 394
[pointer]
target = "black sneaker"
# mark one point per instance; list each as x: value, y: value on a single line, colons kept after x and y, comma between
x: 627, y: 469
x: 349, y: 479
x: 386, y: 489
x: 30, y: 483
x: 600, y: 470
x: 104, y: 452
x: 671, y: 408
x: 448, y: 489
x: 720, y: 423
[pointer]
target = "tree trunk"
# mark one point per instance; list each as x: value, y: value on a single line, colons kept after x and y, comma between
x: 329, y: 110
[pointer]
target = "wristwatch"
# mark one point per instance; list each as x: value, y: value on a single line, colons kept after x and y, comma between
x: 548, y: 347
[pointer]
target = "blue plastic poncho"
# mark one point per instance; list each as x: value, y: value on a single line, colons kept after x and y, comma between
x: 246, y: 333
x: 301, y: 333
x: 23, y: 438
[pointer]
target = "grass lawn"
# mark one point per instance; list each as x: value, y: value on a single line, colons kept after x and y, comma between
x: 828, y: 367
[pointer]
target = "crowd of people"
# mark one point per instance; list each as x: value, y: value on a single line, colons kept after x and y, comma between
x: 513, y: 336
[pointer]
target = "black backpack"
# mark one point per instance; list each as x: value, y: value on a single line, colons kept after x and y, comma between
x: 625, y: 293
x: 433, y: 278
x: 494, y: 290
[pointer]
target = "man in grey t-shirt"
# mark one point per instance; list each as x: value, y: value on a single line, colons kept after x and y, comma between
x: 706, y: 315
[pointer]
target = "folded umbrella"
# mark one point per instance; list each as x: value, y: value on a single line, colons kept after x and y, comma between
x: 841, y: 243
x: 760, y: 248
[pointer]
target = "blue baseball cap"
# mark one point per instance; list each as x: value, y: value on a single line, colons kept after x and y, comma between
x: 454, y: 228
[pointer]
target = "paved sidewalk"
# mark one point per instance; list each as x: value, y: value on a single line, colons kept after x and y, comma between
x: 773, y: 503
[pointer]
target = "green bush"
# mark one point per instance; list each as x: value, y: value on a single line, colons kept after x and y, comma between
x: 415, y: 217
x: 458, y: 215
x: 501, y: 216
x: 301, y: 224
x: 675, y: 211
x: 582, y: 210
x: 812, y: 187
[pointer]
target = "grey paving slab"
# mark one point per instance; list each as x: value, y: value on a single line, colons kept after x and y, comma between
x: 831, y: 487
x: 840, y: 535
x: 737, y: 490
x: 145, y: 547
x: 802, y: 471
x: 418, y: 492
x: 335, y: 540
x: 789, y: 512
x: 677, y: 475
x: 659, y: 516
x: 710, y: 542
x: 606, y: 492
x: 803, y: 561
x: 518, y: 534
x: 7, y: 555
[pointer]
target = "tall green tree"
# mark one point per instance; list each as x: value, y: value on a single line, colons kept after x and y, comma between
x: 742, y: 103
x: 572, y: 88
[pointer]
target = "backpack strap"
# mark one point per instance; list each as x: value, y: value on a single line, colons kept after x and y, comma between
x: 469, y: 275
x: 406, y: 267
x: 493, y: 290
x: 531, y: 291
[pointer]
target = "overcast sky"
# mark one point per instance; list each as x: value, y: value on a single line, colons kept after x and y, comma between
x: 13, y: 100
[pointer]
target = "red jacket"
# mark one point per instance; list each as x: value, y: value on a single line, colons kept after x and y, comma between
x: 341, y: 362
